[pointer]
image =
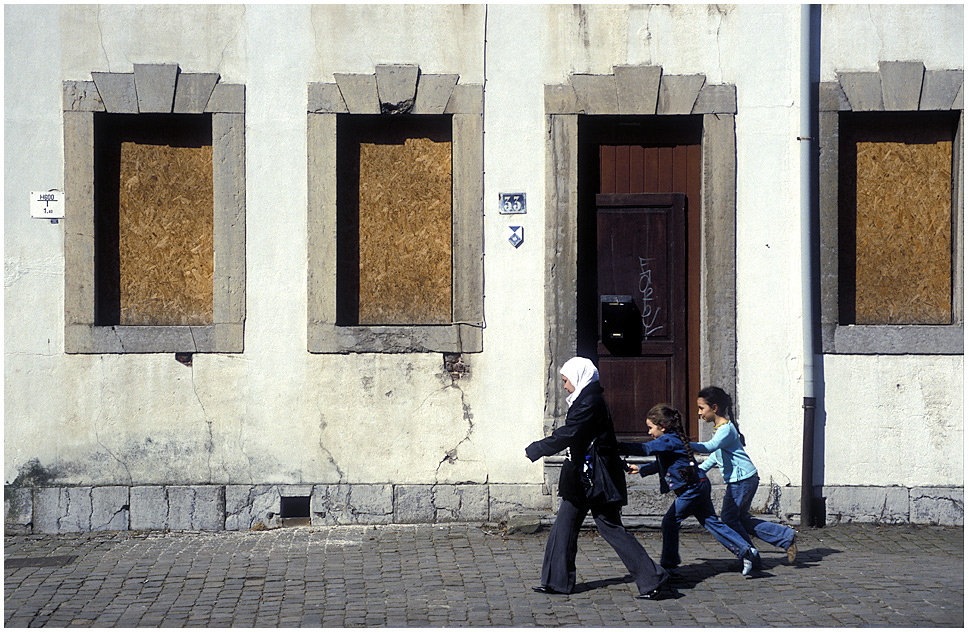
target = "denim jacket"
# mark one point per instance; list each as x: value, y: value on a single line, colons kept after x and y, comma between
x: 672, y: 461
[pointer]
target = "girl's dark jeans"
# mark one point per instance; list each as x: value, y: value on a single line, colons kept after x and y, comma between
x: 695, y: 501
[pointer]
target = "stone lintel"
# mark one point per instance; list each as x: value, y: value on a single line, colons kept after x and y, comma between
x: 434, y: 93
x: 560, y: 99
x: 192, y: 92
x: 359, y: 92
x: 901, y: 84
x: 229, y: 98
x: 596, y: 94
x: 466, y: 98
x: 864, y: 90
x: 831, y: 98
x: 82, y: 96
x: 939, y: 89
x: 637, y: 88
x: 325, y: 98
x: 718, y: 99
x: 678, y: 93
x: 155, y: 86
x: 396, y: 87
x: 117, y: 91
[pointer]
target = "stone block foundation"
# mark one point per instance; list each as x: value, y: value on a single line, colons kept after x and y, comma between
x: 241, y: 507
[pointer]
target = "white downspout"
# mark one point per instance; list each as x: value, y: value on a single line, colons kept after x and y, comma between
x: 807, y: 143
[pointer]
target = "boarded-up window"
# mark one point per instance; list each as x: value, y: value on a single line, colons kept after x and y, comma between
x: 154, y: 224
x: 394, y: 220
x: 896, y: 218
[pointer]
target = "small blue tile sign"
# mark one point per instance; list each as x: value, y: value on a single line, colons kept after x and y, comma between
x: 516, y: 235
x: 511, y: 203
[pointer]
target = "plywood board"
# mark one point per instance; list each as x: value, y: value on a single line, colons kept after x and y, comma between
x: 903, y: 232
x: 165, y: 234
x: 405, y: 232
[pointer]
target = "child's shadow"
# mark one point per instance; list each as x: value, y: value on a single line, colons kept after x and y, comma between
x: 689, y: 575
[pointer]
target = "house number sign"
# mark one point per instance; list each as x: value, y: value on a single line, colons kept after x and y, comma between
x: 511, y: 203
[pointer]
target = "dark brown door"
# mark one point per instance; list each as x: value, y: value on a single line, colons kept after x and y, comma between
x: 642, y: 281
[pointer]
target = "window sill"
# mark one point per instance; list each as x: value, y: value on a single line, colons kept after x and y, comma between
x: 454, y: 338
x: 221, y: 338
x: 895, y: 339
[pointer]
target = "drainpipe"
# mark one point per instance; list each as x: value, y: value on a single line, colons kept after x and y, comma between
x: 809, y: 35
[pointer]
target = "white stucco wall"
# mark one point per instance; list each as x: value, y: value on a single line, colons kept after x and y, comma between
x: 277, y: 414
x: 274, y: 414
x: 892, y: 420
x: 931, y: 33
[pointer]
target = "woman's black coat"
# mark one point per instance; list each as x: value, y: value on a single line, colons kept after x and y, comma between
x: 588, y: 418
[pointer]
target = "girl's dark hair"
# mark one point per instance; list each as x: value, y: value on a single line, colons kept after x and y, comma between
x: 670, y: 420
x: 716, y: 396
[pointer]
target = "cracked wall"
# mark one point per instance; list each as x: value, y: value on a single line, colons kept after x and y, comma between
x: 395, y: 436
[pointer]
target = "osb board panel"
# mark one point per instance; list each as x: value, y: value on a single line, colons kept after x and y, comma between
x: 903, y: 232
x: 405, y: 232
x: 165, y: 234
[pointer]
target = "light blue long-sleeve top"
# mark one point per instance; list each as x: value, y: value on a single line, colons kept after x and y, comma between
x: 727, y: 453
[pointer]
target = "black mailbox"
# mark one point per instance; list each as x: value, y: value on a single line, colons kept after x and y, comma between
x: 622, y: 326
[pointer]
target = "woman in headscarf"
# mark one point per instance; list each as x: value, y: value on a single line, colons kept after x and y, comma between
x: 588, y: 420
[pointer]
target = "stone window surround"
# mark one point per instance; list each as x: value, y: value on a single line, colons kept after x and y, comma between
x: 895, y: 87
x: 396, y: 90
x: 642, y: 90
x: 155, y: 88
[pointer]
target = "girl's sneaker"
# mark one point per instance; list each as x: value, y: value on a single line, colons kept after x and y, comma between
x: 750, y: 560
x: 792, y: 550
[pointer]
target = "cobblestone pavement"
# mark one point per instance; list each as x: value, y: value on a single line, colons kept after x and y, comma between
x: 471, y: 575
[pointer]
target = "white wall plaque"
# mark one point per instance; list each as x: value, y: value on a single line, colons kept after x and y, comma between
x: 47, y: 204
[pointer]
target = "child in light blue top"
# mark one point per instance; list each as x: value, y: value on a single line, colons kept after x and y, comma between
x: 726, y: 444
x: 727, y: 452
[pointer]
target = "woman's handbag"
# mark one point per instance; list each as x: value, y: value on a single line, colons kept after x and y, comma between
x: 570, y: 486
x: 587, y: 482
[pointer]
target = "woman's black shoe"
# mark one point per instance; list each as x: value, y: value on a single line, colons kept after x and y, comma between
x: 652, y: 595
x: 547, y: 590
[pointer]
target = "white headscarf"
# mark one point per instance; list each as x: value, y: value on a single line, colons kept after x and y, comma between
x: 581, y: 372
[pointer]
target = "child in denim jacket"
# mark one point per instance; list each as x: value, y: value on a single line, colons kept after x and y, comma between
x: 678, y: 473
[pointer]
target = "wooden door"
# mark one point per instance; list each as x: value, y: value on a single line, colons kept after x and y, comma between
x: 642, y: 281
